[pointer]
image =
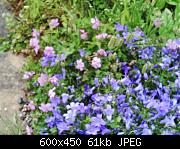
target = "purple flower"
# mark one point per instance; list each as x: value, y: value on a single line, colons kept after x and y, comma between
x: 82, y: 52
x: 168, y: 121
x: 43, y: 79
x: 91, y: 129
x: 120, y: 27
x: 105, y: 130
x: 139, y: 87
x: 97, y: 98
x: 63, y: 72
x: 55, y: 100
x: 73, y: 106
x: 80, y: 65
x: 106, y: 80
x: 62, y: 57
x: 108, y: 112
x: 54, y: 23
x: 121, y: 97
x: 65, y: 97
x: 87, y: 90
x: 125, y: 81
x: 96, y: 63
x: 146, y: 131
x: 95, y: 23
x: 98, y: 121
x: 96, y: 82
x: 70, y: 116
x: 46, y: 107
x: 114, y: 84
x: 145, y: 76
x: 50, y: 121
x: 62, y: 126
x: 49, y: 51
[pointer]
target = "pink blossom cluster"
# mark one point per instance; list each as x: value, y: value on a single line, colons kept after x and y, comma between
x: 34, y: 41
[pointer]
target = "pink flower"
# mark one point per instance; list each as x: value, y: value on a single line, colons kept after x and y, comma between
x: 171, y: 44
x: 102, y: 52
x: 80, y: 65
x: 157, y: 22
x: 54, y: 23
x: 102, y: 36
x: 29, y: 130
x: 46, y: 107
x: 84, y: 35
x: 96, y: 62
x: 35, y: 33
x: 95, y: 23
x: 43, y: 79
x: 34, y: 42
x: 54, y: 80
x: 51, y: 93
x: 28, y: 74
x: 49, y: 51
x: 31, y: 106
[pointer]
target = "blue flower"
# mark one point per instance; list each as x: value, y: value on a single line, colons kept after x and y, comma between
x: 55, y: 100
x: 50, y: 121
x: 65, y: 97
x: 91, y: 129
x: 108, y: 112
x: 168, y: 121
x: 62, y: 126
x: 82, y: 52
x: 120, y: 27
x: 98, y: 121
x: 114, y: 84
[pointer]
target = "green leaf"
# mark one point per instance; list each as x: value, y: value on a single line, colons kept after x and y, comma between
x: 112, y: 42
x: 173, y: 2
x: 144, y: 68
x: 160, y: 3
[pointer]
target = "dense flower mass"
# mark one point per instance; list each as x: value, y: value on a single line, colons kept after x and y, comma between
x: 129, y: 88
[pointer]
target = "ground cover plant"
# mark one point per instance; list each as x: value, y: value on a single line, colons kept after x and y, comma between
x: 108, y: 81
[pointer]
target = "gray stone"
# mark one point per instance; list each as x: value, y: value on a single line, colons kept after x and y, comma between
x: 11, y: 86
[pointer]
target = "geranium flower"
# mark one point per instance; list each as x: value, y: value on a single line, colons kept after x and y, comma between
x: 84, y: 34
x: 54, y: 23
x: 95, y: 23
x: 80, y: 65
x: 43, y: 79
x: 96, y: 63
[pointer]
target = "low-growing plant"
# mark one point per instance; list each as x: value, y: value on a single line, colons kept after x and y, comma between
x: 109, y: 80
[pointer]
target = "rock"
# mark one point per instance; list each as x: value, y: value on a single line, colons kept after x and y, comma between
x: 11, y: 86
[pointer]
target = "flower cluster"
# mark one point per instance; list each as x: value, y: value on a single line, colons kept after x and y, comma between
x: 103, y: 92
